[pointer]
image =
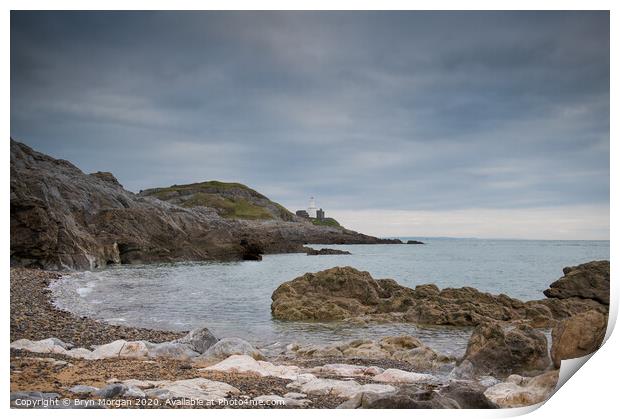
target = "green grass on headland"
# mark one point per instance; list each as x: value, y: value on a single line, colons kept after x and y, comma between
x: 327, y: 222
x: 228, y: 207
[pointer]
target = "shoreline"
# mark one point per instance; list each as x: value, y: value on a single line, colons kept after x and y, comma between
x: 51, y: 359
x: 34, y: 316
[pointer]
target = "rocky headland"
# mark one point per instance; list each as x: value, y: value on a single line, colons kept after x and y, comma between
x: 62, y: 218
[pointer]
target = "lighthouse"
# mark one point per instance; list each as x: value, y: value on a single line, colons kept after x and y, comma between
x: 312, y: 208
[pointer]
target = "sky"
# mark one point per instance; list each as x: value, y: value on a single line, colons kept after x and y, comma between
x: 459, y: 124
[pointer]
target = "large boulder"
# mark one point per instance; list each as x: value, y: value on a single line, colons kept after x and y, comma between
x: 519, y: 391
x: 245, y: 364
x: 589, y: 280
x: 337, y: 293
x: 578, y: 336
x: 498, y: 351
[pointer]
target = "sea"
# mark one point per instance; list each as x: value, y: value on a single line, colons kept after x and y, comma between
x: 233, y: 299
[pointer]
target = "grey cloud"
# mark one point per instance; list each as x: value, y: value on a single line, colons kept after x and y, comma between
x: 365, y: 110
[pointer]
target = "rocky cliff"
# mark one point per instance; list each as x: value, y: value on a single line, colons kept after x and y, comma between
x: 62, y: 218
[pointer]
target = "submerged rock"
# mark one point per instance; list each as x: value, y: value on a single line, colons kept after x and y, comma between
x: 578, y: 336
x: 313, y: 252
x: 498, y: 351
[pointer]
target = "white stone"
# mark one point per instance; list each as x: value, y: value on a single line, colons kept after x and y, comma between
x: 141, y: 384
x: 346, y: 370
x: 519, y: 391
x: 45, y: 346
x: 393, y: 375
x: 134, y: 392
x: 137, y: 349
x: 82, y: 353
x: 170, y: 350
x: 195, y: 388
x: 245, y: 364
x: 117, y: 349
x: 347, y: 389
x: 109, y: 350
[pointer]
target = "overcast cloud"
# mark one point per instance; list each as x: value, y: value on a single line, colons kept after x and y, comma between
x: 430, y: 121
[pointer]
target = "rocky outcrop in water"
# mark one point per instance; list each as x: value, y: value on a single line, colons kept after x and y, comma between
x: 345, y: 293
x: 587, y: 281
x: 62, y: 218
x: 324, y: 251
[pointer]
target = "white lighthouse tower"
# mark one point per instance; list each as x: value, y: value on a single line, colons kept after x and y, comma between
x: 312, y: 208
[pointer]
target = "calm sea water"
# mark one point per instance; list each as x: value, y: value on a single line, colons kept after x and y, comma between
x: 233, y: 299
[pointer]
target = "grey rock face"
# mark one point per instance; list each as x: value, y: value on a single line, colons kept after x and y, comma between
x: 63, y: 218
